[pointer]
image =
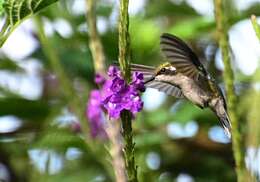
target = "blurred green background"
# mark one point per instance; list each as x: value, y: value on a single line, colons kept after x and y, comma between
x: 40, y: 135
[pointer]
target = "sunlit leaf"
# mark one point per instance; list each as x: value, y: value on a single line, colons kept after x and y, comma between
x: 17, y: 11
x: 1, y: 7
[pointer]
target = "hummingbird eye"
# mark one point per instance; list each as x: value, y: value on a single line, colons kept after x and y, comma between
x: 163, y: 70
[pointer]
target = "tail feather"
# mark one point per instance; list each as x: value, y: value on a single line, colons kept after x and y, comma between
x: 223, y: 118
x: 218, y: 106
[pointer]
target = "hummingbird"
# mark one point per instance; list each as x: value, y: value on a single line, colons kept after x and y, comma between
x: 184, y: 76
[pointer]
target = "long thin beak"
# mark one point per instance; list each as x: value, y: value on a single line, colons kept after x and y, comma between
x: 149, y: 80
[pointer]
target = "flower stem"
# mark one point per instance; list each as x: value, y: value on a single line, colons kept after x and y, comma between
x: 229, y: 84
x: 129, y: 146
x: 124, y: 40
x: 94, y: 39
x: 113, y: 132
x: 253, y: 137
x: 124, y: 61
x: 113, y: 127
x: 255, y: 26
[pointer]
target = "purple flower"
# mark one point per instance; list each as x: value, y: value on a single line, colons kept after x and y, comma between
x: 114, y: 96
x: 138, y: 82
x: 95, y: 114
x: 118, y: 84
x: 113, y: 72
x: 121, y: 95
x: 99, y: 79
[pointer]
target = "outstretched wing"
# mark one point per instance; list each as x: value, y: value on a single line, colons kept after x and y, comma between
x: 148, y: 72
x: 181, y: 56
x: 167, y: 88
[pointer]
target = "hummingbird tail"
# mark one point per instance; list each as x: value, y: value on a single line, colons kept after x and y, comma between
x: 218, y: 106
x: 225, y: 121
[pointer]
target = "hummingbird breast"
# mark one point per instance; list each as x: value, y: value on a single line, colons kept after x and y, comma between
x: 193, y: 90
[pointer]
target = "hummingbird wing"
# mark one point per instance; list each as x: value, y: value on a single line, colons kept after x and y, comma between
x: 167, y: 88
x: 148, y: 72
x: 181, y: 56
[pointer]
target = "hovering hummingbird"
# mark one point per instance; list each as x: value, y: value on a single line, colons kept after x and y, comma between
x: 183, y: 76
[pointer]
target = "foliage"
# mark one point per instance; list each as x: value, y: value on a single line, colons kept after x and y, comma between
x: 1, y: 7
x: 18, y: 11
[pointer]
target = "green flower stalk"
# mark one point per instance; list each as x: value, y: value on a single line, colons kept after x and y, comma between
x: 255, y: 26
x: 95, y: 44
x: 253, y: 136
x: 229, y: 84
x: 124, y: 61
x: 124, y: 39
x: 113, y: 126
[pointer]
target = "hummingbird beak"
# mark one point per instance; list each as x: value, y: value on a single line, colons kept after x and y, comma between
x: 149, y: 80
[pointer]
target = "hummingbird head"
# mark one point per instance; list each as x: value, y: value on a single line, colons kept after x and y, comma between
x: 165, y: 72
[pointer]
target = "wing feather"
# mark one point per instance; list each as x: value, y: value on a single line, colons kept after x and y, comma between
x: 147, y: 71
x: 181, y: 56
x: 167, y: 88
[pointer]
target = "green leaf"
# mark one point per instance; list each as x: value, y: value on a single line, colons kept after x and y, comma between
x: 1, y: 7
x: 7, y: 64
x: 17, y: 11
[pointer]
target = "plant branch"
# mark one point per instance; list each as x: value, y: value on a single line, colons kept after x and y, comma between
x: 229, y: 84
x: 124, y: 61
x: 113, y: 131
x: 124, y: 39
x: 94, y: 39
x: 253, y: 125
x: 129, y: 155
x: 253, y: 102
x: 255, y: 26
x: 113, y: 127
